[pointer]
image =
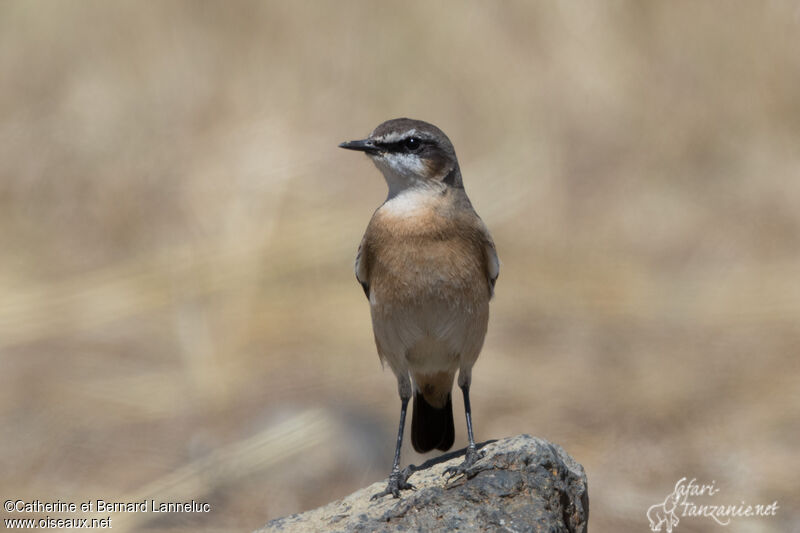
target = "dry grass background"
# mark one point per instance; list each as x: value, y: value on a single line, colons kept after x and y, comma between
x: 179, y: 317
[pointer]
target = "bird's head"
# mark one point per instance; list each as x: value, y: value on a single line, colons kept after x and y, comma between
x: 410, y: 153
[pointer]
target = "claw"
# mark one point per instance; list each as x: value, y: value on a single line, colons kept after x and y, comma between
x: 465, y: 468
x: 398, y: 481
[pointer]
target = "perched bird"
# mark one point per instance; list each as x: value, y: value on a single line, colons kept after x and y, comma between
x: 428, y: 267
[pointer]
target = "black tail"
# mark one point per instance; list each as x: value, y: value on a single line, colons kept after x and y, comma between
x: 431, y: 427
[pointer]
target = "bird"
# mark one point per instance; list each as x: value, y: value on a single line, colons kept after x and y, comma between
x: 428, y: 266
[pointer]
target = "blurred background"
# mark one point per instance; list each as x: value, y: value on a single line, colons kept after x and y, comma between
x: 179, y: 317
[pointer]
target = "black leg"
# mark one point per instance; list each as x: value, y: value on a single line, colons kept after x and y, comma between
x: 468, y: 412
x: 398, y: 480
x: 472, y: 456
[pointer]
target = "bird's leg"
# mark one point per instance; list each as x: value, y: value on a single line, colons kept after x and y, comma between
x: 472, y: 456
x: 398, y: 479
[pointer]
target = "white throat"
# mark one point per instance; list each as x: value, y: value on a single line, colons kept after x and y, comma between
x: 402, y: 172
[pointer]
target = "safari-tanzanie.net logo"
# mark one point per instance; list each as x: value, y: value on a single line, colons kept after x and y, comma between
x: 681, y: 503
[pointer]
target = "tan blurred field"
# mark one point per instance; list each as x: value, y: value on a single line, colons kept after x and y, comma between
x: 179, y: 318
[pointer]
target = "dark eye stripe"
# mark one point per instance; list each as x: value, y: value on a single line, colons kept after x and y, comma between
x: 400, y: 146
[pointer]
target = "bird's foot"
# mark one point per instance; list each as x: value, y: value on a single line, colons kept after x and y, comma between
x: 398, y: 480
x: 465, y: 468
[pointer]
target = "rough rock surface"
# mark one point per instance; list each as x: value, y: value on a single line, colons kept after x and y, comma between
x: 522, y: 483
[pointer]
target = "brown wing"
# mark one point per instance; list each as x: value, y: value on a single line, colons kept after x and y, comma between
x: 362, y: 265
x: 490, y: 260
x: 492, y: 263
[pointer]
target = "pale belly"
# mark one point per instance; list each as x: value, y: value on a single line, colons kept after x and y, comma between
x: 438, y: 329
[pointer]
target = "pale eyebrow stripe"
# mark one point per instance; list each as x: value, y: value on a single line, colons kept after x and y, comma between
x: 395, y: 136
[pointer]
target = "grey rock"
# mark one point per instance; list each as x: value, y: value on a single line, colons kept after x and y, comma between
x: 522, y: 483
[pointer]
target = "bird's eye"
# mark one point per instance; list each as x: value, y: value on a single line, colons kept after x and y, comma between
x: 412, y: 144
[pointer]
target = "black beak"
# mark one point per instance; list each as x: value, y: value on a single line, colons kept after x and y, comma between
x: 364, y: 145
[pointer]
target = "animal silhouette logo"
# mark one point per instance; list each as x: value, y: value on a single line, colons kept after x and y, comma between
x: 663, y: 514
